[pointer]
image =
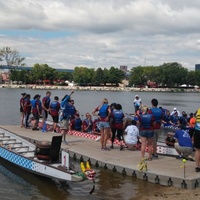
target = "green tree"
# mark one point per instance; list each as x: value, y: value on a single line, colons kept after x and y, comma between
x: 99, y: 77
x: 83, y: 75
x: 173, y: 74
x: 11, y: 57
x: 137, y: 76
x: 115, y: 76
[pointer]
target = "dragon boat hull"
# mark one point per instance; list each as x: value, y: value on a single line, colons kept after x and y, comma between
x: 23, y: 154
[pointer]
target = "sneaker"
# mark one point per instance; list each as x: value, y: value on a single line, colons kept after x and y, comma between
x: 197, y: 169
x: 97, y: 139
x: 105, y: 149
x: 35, y: 129
x: 65, y: 142
x: 154, y: 156
x: 179, y: 157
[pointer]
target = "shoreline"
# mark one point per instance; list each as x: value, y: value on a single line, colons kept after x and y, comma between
x: 100, y: 88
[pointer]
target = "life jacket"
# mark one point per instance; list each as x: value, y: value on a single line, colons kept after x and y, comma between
x: 65, y: 111
x: 157, y: 113
x: 34, y: 104
x: 103, y: 112
x: 198, y: 116
x: 118, y: 116
x: 77, y: 124
x: 146, y: 121
x: 26, y: 108
x: 54, y: 105
x: 46, y: 101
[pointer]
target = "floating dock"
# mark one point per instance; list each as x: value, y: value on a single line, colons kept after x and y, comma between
x: 166, y: 170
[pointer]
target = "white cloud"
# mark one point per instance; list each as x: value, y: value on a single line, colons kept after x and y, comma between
x: 102, y: 32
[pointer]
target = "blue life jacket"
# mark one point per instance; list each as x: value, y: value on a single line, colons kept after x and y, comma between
x: 157, y: 113
x: 146, y: 121
x: 65, y: 109
x: 103, y: 112
x: 77, y: 124
x: 33, y: 103
x: 118, y: 116
x: 54, y: 105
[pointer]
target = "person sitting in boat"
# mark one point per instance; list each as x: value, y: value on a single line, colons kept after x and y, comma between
x: 76, y: 123
x: 36, y: 111
x: 191, y: 121
x: 137, y: 103
x: 175, y: 110
x: 131, y: 136
x: 184, y: 119
x: 87, y: 123
x: 117, y: 125
x: 175, y: 120
x: 96, y: 128
x: 166, y: 119
x: 27, y: 110
x: 73, y: 110
x: 54, y: 112
x: 183, y: 143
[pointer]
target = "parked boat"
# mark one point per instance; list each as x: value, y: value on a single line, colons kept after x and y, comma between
x: 42, y: 158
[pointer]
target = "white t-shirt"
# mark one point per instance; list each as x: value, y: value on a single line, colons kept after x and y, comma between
x: 132, y: 134
x: 137, y: 102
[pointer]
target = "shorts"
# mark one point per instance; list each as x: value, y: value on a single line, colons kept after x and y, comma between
x: 104, y: 125
x: 147, y: 133
x: 55, y: 119
x: 64, y: 124
x: 36, y: 116
x: 196, y: 139
x: 44, y: 114
x: 186, y: 151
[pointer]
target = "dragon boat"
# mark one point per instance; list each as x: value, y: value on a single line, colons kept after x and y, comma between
x: 42, y: 158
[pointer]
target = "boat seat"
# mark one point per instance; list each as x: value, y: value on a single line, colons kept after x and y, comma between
x: 50, y: 154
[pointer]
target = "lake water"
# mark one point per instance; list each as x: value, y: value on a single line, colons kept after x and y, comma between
x: 17, y: 184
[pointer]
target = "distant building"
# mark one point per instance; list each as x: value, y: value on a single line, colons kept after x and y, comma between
x: 124, y: 68
x: 197, y: 67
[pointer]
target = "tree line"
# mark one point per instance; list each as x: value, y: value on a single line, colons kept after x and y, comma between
x: 165, y: 75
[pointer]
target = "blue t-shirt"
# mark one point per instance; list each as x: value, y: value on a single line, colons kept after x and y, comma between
x: 183, y: 138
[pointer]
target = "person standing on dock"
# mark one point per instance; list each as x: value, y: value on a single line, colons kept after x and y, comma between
x: 36, y: 111
x: 65, y: 115
x: 158, y: 116
x: 27, y: 110
x: 146, y: 120
x: 196, y: 141
x: 104, y: 123
x: 45, y: 109
x: 137, y: 103
x: 21, y: 108
x: 54, y: 112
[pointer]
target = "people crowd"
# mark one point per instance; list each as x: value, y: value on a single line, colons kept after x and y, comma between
x: 110, y: 122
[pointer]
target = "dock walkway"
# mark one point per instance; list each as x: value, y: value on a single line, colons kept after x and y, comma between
x: 165, y: 170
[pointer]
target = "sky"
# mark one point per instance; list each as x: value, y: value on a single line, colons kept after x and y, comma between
x: 102, y: 33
